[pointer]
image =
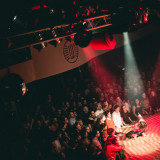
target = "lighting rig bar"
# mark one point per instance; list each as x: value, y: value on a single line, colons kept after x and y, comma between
x: 46, y: 35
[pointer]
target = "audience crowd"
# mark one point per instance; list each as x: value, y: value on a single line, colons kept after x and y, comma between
x: 86, y: 120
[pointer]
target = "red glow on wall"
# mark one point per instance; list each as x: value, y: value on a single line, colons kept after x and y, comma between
x: 36, y: 7
x: 98, y: 69
x: 100, y: 72
x: 45, y: 6
x: 103, y: 42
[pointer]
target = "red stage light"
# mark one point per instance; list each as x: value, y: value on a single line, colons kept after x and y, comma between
x: 45, y: 6
x: 36, y: 7
x: 102, y: 42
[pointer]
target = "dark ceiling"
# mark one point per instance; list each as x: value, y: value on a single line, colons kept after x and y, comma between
x: 19, y: 16
x: 64, y: 11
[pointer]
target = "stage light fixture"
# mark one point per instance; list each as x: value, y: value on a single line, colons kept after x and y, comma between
x: 43, y: 45
x: 54, y: 33
x: 15, y: 17
x: 83, y: 39
x: 58, y: 40
x: 40, y: 36
x: 70, y: 38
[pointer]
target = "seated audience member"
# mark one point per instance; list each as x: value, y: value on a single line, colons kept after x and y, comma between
x: 125, y: 116
x: 146, y: 108
x: 72, y: 119
x: 85, y: 115
x: 117, y: 119
x: 105, y: 106
x: 104, y: 136
x: 136, y: 109
x: 92, y: 118
x: 109, y: 122
x: 153, y: 101
x: 128, y: 106
x: 113, y: 147
x: 119, y: 101
x: 100, y: 125
x: 99, y: 111
x: 96, y: 145
x: 138, y: 129
x: 57, y: 147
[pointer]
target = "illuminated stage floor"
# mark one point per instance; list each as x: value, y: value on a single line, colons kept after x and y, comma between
x: 145, y: 148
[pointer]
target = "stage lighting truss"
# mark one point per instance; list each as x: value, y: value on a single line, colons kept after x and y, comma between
x: 47, y: 35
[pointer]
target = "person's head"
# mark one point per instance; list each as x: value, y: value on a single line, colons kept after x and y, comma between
x: 118, y: 99
x: 126, y: 104
x: 78, y: 126
x: 59, y: 112
x: 55, y: 120
x: 116, y: 108
x: 142, y: 124
x: 71, y: 115
x: 66, y: 120
x: 137, y: 101
x: 111, y: 98
x: 85, y: 109
x: 79, y: 104
x: 153, y: 93
x: 101, y: 121
x: 67, y: 104
x: 64, y: 127
x: 92, y: 114
x: 78, y: 137
x: 96, y: 133
x: 110, y: 131
x: 105, y: 134
x: 53, y: 108
x: 84, y: 101
x: 143, y: 95
x: 74, y: 104
x: 107, y: 114
x: 124, y: 108
x: 99, y: 107
x: 39, y: 123
x: 88, y: 129
x: 59, y: 135
x: 105, y: 106
x: 102, y: 95
x: 110, y: 106
x: 135, y: 90
x: 80, y: 122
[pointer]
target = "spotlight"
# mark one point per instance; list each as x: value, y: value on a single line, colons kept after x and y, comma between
x: 15, y: 17
x: 83, y: 39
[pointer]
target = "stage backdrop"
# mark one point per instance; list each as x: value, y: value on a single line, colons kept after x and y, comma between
x: 66, y: 56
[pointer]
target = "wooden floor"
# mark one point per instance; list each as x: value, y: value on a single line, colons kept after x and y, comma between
x: 145, y: 148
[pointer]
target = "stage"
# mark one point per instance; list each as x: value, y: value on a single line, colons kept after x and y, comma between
x: 145, y: 148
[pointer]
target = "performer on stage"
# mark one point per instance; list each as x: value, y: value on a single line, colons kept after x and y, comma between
x: 138, y: 129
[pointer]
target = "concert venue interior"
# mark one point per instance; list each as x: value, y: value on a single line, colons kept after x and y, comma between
x: 80, y: 79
